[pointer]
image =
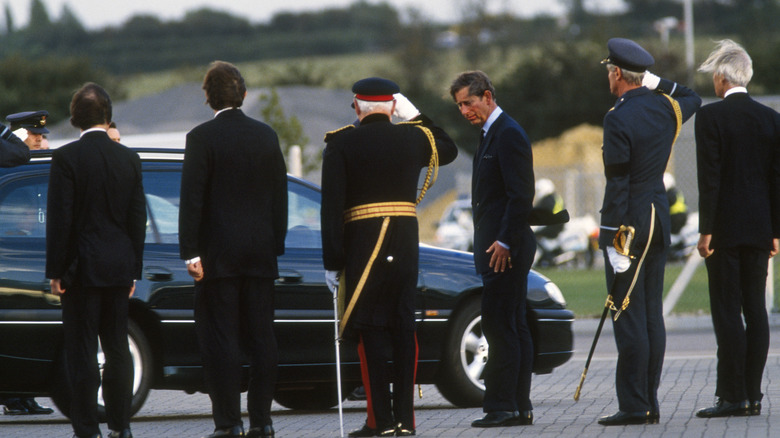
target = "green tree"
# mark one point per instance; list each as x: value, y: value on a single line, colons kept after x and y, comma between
x: 289, y: 129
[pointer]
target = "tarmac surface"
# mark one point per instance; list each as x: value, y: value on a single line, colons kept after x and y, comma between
x: 687, y: 384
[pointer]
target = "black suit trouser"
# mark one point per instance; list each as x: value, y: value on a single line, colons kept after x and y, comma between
x: 231, y: 313
x: 737, y: 279
x: 89, y: 313
x: 508, y: 370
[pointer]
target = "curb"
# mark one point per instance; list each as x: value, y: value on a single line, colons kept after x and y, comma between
x: 673, y: 322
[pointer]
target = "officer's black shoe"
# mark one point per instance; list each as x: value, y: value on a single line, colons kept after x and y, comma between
x: 497, y: 419
x: 231, y: 432
x: 400, y: 430
x: 388, y: 431
x: 625, y: 418
x: 124, y: 433
x: 14, y: 407
x: 755, y: 408
x: 363, y: 432
x: 725, y: 408
x: 33, y: 408
x: 261, y: 432
x: 654, y: 417
x: 524, y: 418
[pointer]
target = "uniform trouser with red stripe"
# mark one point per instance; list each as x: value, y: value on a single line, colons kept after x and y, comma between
x: 376, y: 348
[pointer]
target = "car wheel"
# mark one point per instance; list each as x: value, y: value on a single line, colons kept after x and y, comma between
x: 141, y: 354
x: 313, y: 398
x: 465, y: 355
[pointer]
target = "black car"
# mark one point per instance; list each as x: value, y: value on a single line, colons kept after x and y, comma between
x: 165, y: 354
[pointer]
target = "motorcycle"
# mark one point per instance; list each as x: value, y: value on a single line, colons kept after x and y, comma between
x: 576, y: 245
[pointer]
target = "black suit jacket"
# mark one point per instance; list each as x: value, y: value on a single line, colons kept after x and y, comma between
x: 738, y: 160
x: 233, y: 211
x: 502, y: 190
x: 96, y: 213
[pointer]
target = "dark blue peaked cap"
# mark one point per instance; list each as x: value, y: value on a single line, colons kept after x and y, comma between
x: 33, y: 121
x: 628, y: 55
x: 375, y: 89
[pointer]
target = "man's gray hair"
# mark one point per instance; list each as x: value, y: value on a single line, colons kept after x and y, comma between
x: 368, y: 107
x: 631, y: 77
x: 731, y: 61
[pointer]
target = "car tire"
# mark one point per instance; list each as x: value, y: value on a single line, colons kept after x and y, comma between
x: 465, y: 356
x: 141, y: 354
x: 313, y: 398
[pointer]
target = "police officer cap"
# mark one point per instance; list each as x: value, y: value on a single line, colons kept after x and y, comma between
x: 33, y: 121
x: 628, y: 55
x: 375, y: 89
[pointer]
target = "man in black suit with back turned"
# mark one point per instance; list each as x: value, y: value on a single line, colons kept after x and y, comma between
x: 738, y: 160
x: 94, y: 252
x: 502, y: 193
x: 232, y: 226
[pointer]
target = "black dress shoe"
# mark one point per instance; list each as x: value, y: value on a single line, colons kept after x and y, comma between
x: 402, y: 431
x: 524, y: 418
x: 124, y: 433
x: 14, y: 406
x: 388, y: 431
x: 263, y: 432
x: 33, y: 408
x: 363, y: 431
x: 725, y: 408
x: 755, y: 408
x: 235, y: 431
x: 497, y: 419
x: 625, y: 418
x: 654, y: 417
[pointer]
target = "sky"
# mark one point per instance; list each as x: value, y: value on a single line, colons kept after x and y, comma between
x: 96, y: 14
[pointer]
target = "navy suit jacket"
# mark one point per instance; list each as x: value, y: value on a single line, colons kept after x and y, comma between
x: 96, y: 213
x: 502, y: 190
x: 233, y: 212
x: 638, y: 135
x: 738, y: 160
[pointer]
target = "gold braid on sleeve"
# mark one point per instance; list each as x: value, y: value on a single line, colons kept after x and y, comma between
x: 433, y: 165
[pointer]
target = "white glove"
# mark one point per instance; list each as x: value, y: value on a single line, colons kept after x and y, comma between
x: 620, y: 263
x: 332, y: 280
x: 404, y: 108
x: 650, y: 80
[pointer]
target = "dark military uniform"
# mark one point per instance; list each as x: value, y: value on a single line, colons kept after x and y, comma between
x: 638, y: 135
x: 377, y: 166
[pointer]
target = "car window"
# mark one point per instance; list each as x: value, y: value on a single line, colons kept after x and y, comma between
x: 23, y: 208
x: 162, y: 204
x: 303, y: 218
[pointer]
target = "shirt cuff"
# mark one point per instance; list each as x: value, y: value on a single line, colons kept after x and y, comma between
x: 504, y: 245
x: 192, y: 260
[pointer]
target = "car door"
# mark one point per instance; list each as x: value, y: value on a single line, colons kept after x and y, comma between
x: 30, y: 316
x: 304, y: 318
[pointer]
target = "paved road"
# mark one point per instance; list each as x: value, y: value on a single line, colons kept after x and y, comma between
x: 687, y: 384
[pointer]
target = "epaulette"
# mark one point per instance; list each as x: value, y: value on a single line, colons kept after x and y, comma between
x: 329, y: 136
x: 411, y: 122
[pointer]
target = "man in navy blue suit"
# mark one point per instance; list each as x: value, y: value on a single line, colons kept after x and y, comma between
x: 738, y: 159
x: 639, y: 132
x: 502, y: 193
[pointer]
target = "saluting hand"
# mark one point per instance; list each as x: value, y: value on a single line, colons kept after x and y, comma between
x: 500, y: 259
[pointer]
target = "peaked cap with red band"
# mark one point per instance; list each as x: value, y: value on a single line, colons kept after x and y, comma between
x: 375, y: 89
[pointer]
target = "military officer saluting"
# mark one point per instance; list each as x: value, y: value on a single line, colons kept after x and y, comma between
x: 34, y: 125
x: 639, y: 132
x: 370, y: 233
